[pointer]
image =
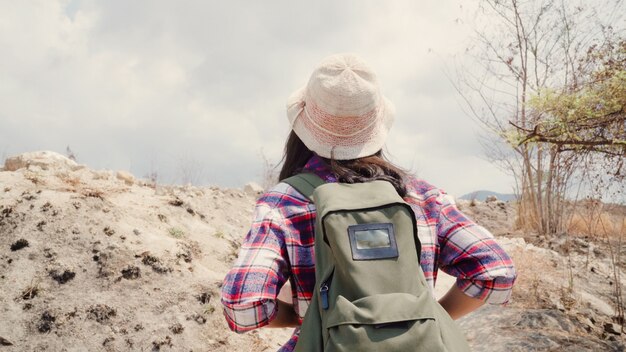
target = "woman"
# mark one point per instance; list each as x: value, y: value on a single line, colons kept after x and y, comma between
x: 339, y: 124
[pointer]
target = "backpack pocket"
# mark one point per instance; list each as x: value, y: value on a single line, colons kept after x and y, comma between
x: 384, y: 322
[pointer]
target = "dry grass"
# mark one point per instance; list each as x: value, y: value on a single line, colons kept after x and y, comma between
x: 71, y: 181
x: 607, y: 223
x: 586, y: 218
x: 30, y: 292
x: 34, y: 178
x: 526, y: 216
x: 530, y: 290
x: 93, y: 193
x: 597, y: 220
x: 176, y: 232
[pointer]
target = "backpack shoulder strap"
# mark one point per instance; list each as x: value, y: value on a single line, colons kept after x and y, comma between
x: 305, y: 183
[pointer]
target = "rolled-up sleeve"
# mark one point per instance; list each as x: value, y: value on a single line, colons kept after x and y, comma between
x: 250, y: 287
x: 470, y: 253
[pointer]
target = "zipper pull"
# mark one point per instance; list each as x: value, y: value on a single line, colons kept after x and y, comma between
x: 324, y: 295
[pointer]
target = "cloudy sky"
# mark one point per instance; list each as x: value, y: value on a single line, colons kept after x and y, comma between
x: 197, y: 89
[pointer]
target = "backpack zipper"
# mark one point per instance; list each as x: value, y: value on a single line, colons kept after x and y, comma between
x: 324, y: 287
x: 324, y: 295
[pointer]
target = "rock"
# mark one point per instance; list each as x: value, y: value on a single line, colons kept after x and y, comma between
x: 5, y: 342
x: 544, y: 319
x: 43, y: 160
x: 597, y: 304
x: 559, y: 305
x: 587, y: 323
x: 253, y: 189
x: 160, y: 191
x: 127, y: 177
x: 510, y: 244
x: 490, y: 199
x: 613, y: 328
x: 100, y: 175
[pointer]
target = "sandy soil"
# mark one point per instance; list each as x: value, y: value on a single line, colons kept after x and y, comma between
x: 93, y: 261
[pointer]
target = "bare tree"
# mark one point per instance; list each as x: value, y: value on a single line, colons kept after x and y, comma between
x: 70, y: 153
x: 520, y: 49
x: 591, y: 116
x: 191, y: 171
x: 269, y: 171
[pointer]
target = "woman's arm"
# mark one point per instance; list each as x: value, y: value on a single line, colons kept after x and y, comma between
x: 469, y: 252
x: 458, y: 304
x: 286, y: 316
x: 249, y: 288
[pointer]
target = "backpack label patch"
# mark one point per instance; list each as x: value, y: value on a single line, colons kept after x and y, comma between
x: 373, y: 241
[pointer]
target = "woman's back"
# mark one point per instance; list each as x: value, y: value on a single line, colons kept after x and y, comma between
x: 339, y: 123
x: 279, y: 247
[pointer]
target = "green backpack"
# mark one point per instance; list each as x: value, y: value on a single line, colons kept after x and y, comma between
x: 370, y: 292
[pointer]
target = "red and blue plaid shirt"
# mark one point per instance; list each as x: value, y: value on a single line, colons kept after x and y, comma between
x: 279, y: 247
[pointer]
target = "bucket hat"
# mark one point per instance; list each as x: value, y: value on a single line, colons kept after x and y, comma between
x: 341, y: 112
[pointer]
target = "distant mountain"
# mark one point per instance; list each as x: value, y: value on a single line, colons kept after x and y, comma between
x: 482, y: 195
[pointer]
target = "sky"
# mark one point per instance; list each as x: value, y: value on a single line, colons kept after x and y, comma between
x: 196, y: 90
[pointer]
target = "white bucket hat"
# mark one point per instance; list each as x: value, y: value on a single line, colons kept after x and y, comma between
x: 341, y: 113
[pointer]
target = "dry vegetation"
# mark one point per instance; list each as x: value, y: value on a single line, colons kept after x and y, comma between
x: 597, y: 220
x: 533, y: 269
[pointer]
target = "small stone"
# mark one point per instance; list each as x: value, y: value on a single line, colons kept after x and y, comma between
x: 613, y: 328
x: 5, y: 342
x: 559, y: 305
x: 177, y: 328
x: 19, y: 244
x: 101, y: 313
x: 47, y: 322
x: 589, y: 325
x: 62, y: 278
x: 131, y: 273
x: 176, y: 202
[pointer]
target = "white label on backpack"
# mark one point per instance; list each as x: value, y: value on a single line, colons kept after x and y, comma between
x: 376, y: 238
x: 372, y: 241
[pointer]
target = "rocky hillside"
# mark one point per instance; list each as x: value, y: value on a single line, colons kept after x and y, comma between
x: 564, y: 298
x: 101, y: 261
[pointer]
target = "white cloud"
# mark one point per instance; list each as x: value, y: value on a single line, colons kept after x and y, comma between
x: 146, y: 85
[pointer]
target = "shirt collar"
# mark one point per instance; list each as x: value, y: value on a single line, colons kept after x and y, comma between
x: 320, y: 168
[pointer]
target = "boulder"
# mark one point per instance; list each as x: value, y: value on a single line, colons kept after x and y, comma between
x: 597, y: 304
x: 490, y: 199
x: 44, y: 160
x: 127, y: 177
x: 253, y: 189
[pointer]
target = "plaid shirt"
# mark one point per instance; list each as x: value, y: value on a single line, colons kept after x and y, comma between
x: 279, y: 247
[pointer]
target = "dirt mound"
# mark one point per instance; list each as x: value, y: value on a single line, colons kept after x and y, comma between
x: 96, y: 260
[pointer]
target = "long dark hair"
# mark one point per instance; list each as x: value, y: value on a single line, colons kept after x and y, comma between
x: 369, y: 168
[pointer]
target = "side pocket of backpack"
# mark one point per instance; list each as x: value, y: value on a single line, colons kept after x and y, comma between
x: 310, y: 338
